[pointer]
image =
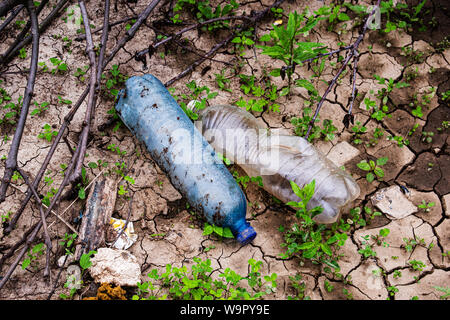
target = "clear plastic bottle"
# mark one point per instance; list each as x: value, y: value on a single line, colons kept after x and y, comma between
x: 278, y: 159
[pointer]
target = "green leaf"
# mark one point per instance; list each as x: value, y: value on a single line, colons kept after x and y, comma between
x: 379, y: 172
x: 85, y: 260
x: 310, y: 253
x: 363, y: 165
x: 326, y: 249
x: 295, y: 188
x: 265, y: 38
x: 384, y: 232
x: 236, y: 40
x: 92, y: 165
x: 332, y: 264
x: 306, y: 246
x: 370, y: 177
x: 284, y: 91
x: 275, y: 72
x: 306, y: 84
x: 343, y: 16
x: 26, y: 262
x: 82, y: 193
x: 227, y: 233
x: 309, y: 190
x: 382, y: 161
x: 275, y: 51
x: 293, y: 204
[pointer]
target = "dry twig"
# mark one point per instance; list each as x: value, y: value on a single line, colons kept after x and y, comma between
x: 352, y: 52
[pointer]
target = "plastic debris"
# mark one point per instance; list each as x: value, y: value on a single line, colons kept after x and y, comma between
x: 127, y: 238
x: 194, y: 169
x: 278, y: 159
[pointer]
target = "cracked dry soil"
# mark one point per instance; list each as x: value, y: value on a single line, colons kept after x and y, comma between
x: 169, y: 233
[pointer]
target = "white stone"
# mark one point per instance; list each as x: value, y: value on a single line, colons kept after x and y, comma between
x: 392, y: 202
x: 343, y: 152
x: 65, y: 260
x: 117, y: 267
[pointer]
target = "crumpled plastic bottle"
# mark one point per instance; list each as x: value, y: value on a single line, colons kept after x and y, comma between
x: 155, y: 118
x: 278, y: 159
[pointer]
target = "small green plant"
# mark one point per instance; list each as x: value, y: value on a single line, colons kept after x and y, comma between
x: 47, y: 133
x: 392, y: 290
x: 198, y: 94
x: 401, y: 141
x: 299, y: 287
x: 32, y: 255
x: 243, y: 40
x: 74, y: 282
x: 379, y: 239
x: 67, y: 241
x: 64, y: 101
x: 358, y: 130
x: 446, y: 292
x: 16, y: 176
x: 11, y: 109
x: 422, y: 102
x: 85, y: 260
x: 373, y: 168
x: 222, y: 81
x: 6, y: 216
x: 196, y: 283
x: 40, y: 108
x: 114, y: 79
x: 286, y: 48
x: 310, y: 240
x: 397, y: 274
x: 48, y: 196
x: 202, y: 11
x: 367, y: 249
x: 379, y: 112
x: 80, y: 73
x: 58, y: 66
x: 417, y: 265
x: 23, y: 53
x: 220, y: 231
x: 426, y: 206
x: 427, y: 136
x: 347, y: 293
x: 326, y: 132
x: 445, y: 95
x: 378, y: 133
x: 116, y: 149
x: 244, y: 180
x: 411, y: 243
x: 444, y: 125
x: 264, y: 95
x: 333, y: 14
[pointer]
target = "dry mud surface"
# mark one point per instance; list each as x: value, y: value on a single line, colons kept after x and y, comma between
x: 168, y: 233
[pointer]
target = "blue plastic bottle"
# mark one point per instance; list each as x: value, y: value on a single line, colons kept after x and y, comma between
x: 155, y: 118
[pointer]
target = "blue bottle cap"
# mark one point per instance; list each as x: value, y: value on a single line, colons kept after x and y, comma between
x: 246, y: 235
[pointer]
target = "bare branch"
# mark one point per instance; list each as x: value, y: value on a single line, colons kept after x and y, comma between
x: 7, y: 5
x: 11, y: 161
x: 352, y: 53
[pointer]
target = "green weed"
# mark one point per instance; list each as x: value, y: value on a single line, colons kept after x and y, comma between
x: 196, y: 283
x: 373, y: 168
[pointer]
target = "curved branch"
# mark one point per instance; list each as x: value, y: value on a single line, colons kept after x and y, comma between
x: 11, y: 161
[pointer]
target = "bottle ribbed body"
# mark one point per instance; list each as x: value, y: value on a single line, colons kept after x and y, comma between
x: 278, y: 159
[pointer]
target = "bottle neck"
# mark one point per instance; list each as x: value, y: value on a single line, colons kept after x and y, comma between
x: 244, y: 232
